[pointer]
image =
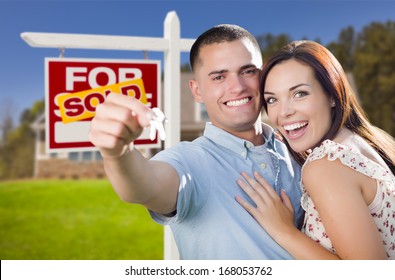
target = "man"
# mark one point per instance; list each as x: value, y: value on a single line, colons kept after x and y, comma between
x: 192, y: 186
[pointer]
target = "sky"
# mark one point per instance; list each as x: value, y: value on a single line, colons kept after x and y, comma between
x: 22, y: 76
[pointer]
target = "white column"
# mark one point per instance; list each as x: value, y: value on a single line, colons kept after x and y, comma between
x: 172, y: 105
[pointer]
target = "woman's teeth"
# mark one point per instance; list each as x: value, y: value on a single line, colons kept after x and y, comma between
x: 294, y: 126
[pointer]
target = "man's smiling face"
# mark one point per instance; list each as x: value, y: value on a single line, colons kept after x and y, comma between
x: 227, y: 82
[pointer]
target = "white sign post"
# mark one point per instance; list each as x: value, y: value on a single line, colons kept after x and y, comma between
x: 172, y: 45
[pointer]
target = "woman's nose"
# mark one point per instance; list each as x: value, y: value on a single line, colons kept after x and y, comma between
x: 286, y: 108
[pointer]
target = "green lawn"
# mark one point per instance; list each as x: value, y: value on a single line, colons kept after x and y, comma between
x: 73, y: 220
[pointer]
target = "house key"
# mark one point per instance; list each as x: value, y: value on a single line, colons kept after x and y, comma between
x: 157, y: 124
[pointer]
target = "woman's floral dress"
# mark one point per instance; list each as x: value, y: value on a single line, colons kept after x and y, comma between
x: 382, y: 208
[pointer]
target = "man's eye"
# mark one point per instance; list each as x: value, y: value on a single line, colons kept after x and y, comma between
x: 251, y: 71
x: 217, y: 78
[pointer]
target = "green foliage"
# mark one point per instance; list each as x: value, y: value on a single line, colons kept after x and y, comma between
x: 269, y: 43
x: 76, y: 220
x: 374, y: 73
x: 6, y: 127
x: 18, y: 152
x: 17, y: 148
x: 185, y: 68
x: 344, y: 48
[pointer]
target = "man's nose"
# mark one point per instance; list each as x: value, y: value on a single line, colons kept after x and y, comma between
x: 236, y: 83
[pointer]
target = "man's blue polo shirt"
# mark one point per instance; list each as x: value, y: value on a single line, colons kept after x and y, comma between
x: 209, y: 223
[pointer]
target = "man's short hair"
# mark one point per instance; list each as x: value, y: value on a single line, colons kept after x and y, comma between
x: 219, y: 34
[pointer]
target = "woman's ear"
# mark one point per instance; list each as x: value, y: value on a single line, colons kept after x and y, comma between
x: 193, y: 85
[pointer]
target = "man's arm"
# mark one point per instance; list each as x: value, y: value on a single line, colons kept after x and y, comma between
x: 135, y: 179
x: 118, y: 122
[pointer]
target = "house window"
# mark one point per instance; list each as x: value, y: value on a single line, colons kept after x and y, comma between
x: 74, y: 156
x: 53, y: 155
x: 97, y: 156
x: 85, y: 156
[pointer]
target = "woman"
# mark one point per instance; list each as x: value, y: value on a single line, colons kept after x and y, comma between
x: 348, y: 168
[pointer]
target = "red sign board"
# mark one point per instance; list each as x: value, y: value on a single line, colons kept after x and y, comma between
x: 67, y: 75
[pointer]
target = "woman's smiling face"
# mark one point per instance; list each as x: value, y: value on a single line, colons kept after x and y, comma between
x: 297, y: 104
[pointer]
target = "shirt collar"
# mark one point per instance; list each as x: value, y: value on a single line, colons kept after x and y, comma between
x: 235, y: 144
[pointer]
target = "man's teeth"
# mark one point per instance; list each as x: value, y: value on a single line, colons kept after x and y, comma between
x: 235, y: 103
x: 295, y: 126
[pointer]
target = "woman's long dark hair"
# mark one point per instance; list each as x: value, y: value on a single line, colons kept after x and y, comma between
x: 347, y: 112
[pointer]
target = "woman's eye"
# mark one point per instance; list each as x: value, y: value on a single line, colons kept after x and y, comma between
x: 300, y: 93
x: 270, y: 100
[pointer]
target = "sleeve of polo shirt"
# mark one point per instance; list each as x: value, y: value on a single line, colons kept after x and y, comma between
x: 186, y: 159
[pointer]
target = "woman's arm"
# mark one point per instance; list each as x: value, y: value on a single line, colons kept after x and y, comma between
x: 337, y: 194
x: 341, y: 206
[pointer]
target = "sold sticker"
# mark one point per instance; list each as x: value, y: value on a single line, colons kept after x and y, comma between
x: 82, y: 105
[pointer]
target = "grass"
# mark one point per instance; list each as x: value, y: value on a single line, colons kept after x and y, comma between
x: 73, y: 220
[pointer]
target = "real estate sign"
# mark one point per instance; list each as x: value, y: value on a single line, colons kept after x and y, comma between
x: 74, y: 87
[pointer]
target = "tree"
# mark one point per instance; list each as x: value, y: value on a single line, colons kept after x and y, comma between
x: 185, y: 68
x: 374, y: 73
x: 269, y: 43
x: 344, y: 48
x: 17, y: 151
x: 6, y: 119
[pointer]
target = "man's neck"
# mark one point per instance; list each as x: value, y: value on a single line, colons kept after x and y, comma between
x: 255, y: 135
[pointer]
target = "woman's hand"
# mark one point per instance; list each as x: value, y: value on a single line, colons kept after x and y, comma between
x: 274, y: 213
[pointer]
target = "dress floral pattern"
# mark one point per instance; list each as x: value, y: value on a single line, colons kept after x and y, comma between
x: 382, y: 208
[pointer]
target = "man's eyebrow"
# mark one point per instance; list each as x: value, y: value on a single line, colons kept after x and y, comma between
x: 216, y: 72
x: 248, y: 66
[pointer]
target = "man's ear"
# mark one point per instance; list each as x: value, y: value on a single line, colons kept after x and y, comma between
x: 193, y: 85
